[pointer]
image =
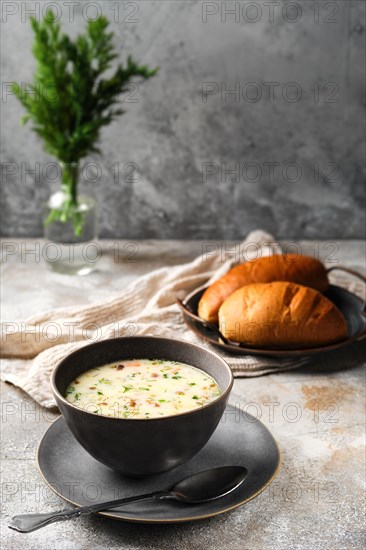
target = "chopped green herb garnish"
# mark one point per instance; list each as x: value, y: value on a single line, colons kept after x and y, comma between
x: 195, y: 397
x: 104, y: 381
x: 192, y: 384
x: 176, y: 377
x: 127, y: 388
x: 77, y: 396
x: 165, y: 375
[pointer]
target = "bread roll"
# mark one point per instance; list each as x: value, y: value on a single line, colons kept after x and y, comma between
x: 281, y: 315
x: 303, y: 270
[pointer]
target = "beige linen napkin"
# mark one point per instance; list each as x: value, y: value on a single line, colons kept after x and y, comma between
x: 146, y: 306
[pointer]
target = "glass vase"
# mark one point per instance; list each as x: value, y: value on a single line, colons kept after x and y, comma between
x: 70, y: 225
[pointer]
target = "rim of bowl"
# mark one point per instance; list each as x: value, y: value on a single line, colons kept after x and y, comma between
x: 210, y: 352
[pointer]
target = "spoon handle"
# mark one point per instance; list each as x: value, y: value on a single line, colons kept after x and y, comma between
x: 25, y: 523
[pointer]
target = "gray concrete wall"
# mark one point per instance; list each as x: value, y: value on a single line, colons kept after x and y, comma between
x: 294, y: 147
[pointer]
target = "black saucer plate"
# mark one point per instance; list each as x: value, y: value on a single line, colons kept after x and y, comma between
x: 79, y: 479
x: 351, y: 306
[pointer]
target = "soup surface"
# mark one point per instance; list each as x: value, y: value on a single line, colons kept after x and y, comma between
x: 142, y: 388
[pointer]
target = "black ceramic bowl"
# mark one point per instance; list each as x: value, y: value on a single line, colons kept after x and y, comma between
x: 138, y: 447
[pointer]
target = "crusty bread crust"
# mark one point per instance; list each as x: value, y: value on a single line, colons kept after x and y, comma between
x: 281, y: 315
x: 303, y: 270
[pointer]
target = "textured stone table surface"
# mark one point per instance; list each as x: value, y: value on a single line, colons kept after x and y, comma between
x: 317, y: 415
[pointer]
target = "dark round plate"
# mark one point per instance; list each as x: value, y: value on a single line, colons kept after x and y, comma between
x: 349, y: 304
x: 79, y: 479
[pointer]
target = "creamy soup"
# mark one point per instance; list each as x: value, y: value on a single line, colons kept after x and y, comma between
x: 142, y: 388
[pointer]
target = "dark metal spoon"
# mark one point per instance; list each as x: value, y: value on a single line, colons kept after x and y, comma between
x: 202, y: 487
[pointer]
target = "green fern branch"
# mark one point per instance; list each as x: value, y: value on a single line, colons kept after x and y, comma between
x: 69, y: 101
